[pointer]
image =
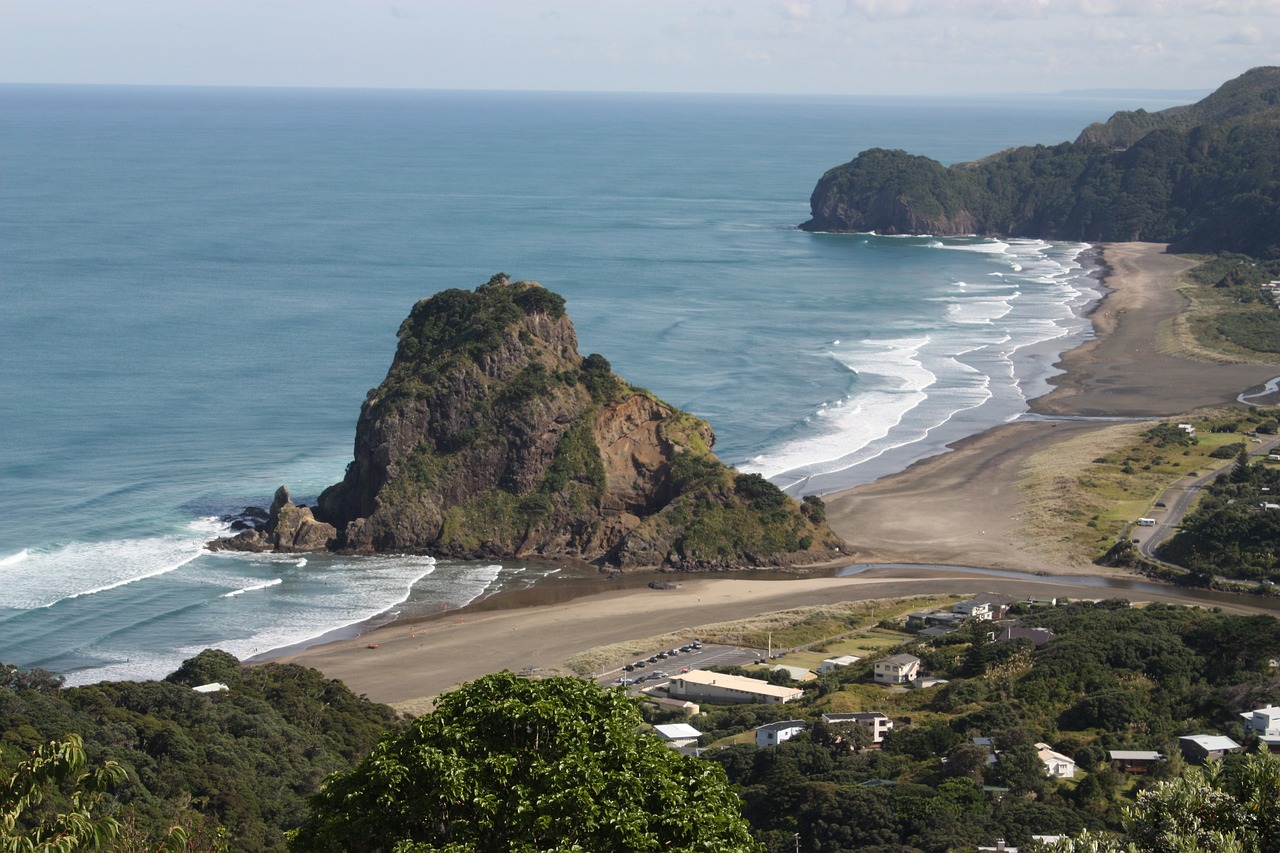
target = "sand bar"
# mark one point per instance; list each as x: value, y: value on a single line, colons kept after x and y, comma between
x: 959, y: 508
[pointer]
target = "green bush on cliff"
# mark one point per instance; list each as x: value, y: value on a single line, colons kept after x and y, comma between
x: 576, y: 471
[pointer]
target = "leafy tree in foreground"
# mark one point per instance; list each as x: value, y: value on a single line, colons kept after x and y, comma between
x: 1224, y: 807
x: 508, y: 764
x: 61, y: 763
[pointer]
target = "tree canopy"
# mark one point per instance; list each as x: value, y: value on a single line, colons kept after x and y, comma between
x: 510, y: 764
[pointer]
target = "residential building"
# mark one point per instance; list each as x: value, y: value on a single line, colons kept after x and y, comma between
x: 700, y: 685
x: 832, y: 664
x: 772, y: 734
x: 681, y: 737
x: 973, y: 609
x: 876, y: 723
x: 1263, y: 721
x: 1056, y: 764
x: 897, y: 669
x: 797, y: 673
x: 1134, y: 760
x: 1039, y: 636
x: 1202, y: 748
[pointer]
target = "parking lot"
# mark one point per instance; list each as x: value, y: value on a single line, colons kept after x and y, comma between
x: 653, y: 671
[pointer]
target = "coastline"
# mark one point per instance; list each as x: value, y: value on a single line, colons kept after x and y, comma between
x: 960, y: 507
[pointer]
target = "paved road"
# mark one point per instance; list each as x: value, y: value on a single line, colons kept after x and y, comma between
x: 1179, y: 498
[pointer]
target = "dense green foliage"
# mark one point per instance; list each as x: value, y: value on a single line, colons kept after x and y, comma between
x: 508, y: 764
x: 238, y: 764
x: 1115, y: 677
x: 58, y: 765
x: 1230, y: 807
x: 1231, y: 532
x: 1212, y: 186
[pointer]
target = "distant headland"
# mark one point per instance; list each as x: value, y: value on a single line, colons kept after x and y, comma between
x: 1201, y: 178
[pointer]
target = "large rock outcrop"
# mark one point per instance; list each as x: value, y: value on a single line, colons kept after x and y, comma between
x: 492, y: 437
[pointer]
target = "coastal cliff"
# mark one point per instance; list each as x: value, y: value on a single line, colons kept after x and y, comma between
x: 491, y: 437
x: 1203, y: 178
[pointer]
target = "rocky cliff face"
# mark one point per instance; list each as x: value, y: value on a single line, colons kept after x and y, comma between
x: 492, y: 437
x: 890, y: 192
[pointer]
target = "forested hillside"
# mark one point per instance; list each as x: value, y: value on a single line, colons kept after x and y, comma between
x: 1205, y: 178
x: 233, y: 768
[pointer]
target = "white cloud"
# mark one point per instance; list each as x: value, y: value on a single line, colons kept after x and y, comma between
x: 1247, y: 34
x: 798, y: 10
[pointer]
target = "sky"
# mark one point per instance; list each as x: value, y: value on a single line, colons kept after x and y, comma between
x: 839, y: 47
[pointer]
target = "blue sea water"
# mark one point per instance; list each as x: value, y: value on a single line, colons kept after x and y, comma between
x: 198, y: 286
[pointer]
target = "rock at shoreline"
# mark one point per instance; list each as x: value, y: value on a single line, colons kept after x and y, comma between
x: 491, y: 437
x: 287, y: 528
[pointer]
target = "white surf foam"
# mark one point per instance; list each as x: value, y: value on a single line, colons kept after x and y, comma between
x: 891, y: 382
x: 46, y: 577
x: 253, y: 588
x: 14, y: 559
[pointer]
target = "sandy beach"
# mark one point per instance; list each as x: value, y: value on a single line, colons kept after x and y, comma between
x: 961, y: 508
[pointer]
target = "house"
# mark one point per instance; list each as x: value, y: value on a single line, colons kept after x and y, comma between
x: 211, y: 687
x: 1202, y: 748
x: 832, y: 664
x: 1039, y: 636
x: 681, y: 737
x: 772, y: 734
x: 1263, y: 721
x: 997, y: 605
x: 873, y: 721
x: 717, y: 687
x: 973, y: 609
x: 1056, y: 764
x: 936, y: 631
x: 797, y: 673
x: 1040, y: 601
x: 1134, y: 760
x: 897, y: 669
x: 989, y: 745
x: 931, y: 618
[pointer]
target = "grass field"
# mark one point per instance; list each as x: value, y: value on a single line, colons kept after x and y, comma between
x: 1083, y: 494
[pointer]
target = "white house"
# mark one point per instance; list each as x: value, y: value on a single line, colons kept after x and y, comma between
x: 873, y: 721
x: 897, y: 669
x: 973, y: 609
x: 832, y: 664
x: 1056, y: 764
x: 211, y: 687
x: 772, y: 734
x: 700, y: 685
x: 681, y: 737
x: 1264, y: 721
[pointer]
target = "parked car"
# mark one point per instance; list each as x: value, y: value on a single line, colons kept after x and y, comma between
x: 640, y: 664
x: 630, y: 667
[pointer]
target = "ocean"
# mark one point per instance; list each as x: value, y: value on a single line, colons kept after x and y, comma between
x: 198, y: 287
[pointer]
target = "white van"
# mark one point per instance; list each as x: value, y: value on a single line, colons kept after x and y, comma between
x: 1146, y: 522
